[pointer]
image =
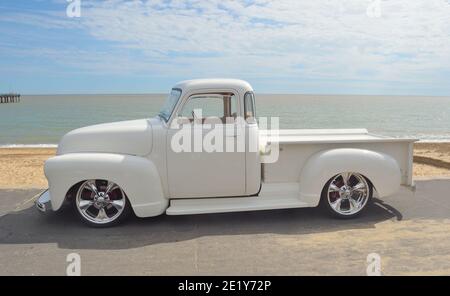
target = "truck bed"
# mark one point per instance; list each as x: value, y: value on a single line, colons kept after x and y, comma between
x: 296, y: 146
x: 295, y: 136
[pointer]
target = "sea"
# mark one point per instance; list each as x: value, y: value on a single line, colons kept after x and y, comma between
x: 41, y: 120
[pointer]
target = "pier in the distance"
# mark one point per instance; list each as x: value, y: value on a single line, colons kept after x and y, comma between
x: 9, y: 98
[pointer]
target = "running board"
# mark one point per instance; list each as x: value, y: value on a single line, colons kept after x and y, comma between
x: 270, y: 198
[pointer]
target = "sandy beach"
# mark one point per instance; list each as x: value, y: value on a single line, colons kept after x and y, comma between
x: 23, y: 167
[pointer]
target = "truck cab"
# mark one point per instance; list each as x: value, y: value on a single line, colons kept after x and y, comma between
x: 217, y: 119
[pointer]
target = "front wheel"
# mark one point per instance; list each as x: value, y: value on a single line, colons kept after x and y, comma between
x: 101, y: 203
x: 346, y: 195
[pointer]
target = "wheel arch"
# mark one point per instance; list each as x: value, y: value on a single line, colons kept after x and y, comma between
x: 72, y: 192
x: 137, y: 176
x: 380, y: 169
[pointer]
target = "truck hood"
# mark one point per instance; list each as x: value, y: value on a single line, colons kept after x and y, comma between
x: 125, y: 137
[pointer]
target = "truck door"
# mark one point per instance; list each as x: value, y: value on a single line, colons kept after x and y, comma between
x: 206, y: 156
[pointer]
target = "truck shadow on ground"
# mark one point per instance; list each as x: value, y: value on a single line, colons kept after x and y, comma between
x: 27, y: 226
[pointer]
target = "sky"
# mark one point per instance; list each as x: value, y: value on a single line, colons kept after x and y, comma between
x: 385, y: 47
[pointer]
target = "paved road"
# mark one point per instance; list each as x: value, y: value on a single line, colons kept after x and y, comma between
x: 410, y: 231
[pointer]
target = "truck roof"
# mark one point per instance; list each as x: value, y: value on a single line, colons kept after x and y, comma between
x: 217, y: 83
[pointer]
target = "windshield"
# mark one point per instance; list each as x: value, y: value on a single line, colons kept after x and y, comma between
x: 170, y: 103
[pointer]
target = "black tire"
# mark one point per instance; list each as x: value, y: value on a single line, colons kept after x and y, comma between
x: 126, y: 212
x: 325, y: 205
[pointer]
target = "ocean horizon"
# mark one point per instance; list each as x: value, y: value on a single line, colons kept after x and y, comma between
x: 41, y: 120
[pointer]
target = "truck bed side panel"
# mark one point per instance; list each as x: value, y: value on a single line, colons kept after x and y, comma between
x: 293, y: 156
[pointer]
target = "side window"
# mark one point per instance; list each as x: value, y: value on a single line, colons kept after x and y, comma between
x: 249, y: 107
x: 233, y: 107
x: 213, y: 108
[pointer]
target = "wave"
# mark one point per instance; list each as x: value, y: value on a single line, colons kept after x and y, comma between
x: 434, y: 141
x: 432, y: 138
x: 420, y: 140
x: 421, y: 137
x: 28, y: 145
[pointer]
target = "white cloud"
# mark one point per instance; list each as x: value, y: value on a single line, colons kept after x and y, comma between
x: 319, y: 39
x: 280, y: 35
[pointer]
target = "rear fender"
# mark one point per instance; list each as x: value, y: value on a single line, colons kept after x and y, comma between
x: 381, y: 169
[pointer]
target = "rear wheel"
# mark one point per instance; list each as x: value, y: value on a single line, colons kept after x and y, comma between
x: 347, y: 194
x: 101, y: 203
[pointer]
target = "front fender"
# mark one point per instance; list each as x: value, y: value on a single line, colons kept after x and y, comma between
x: 137, y: 176
x: 381, y: 169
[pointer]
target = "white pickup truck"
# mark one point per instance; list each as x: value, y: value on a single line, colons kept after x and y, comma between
x: 151, y: 167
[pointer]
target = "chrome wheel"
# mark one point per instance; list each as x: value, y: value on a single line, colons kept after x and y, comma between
x: 100, y: 201
x: 348, y: 193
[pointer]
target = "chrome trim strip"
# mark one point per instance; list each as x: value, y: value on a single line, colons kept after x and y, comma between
x: 43, y: 203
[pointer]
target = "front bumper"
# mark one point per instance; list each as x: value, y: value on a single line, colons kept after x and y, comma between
x: 43, y: 203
